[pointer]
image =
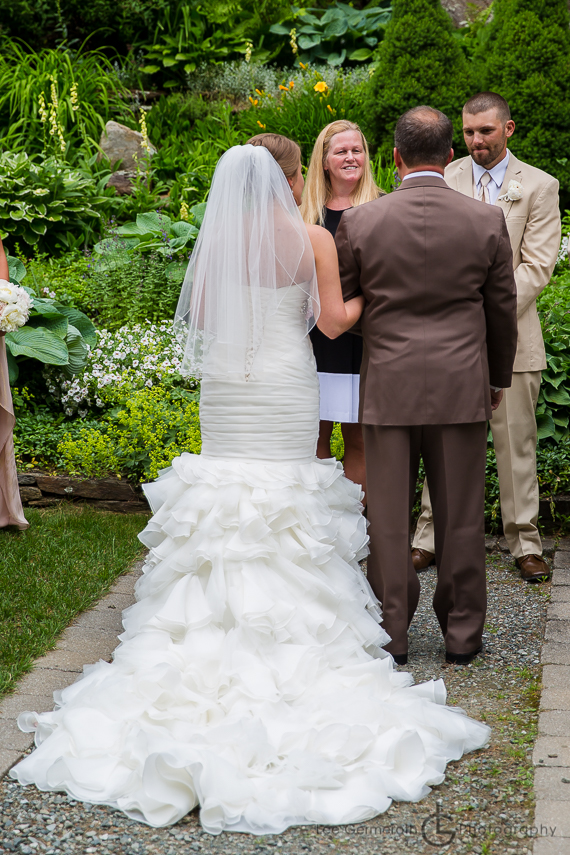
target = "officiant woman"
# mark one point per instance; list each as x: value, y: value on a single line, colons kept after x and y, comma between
x: 339, y: 177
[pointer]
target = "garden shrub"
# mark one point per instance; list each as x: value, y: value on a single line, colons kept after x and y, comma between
x: 47, y: 203
x: 238, y: 79
x: 301, y: 110
x: 63, y: 278
x: 132, y: 358
x: 553, y: 410
x: 138, y: 439
x: 526, y: 58
x: 419, y: 61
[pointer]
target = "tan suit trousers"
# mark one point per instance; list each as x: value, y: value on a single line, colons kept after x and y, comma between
x: 454, y: 458
x: 514, y: 435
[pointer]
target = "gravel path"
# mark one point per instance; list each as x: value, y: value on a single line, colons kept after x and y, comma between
x: 484, y: 806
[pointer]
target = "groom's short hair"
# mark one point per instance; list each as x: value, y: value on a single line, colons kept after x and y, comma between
x: 424, y: 136
x: 488, y: 101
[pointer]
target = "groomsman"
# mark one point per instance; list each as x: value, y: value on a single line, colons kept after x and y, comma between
x: 529, y: 199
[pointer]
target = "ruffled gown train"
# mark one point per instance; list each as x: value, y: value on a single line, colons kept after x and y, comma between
x: 250, y: 679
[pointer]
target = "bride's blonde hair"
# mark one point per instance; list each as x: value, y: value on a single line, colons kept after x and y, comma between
x: 318, y: 188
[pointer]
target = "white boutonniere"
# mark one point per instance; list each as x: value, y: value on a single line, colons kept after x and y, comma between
x: 514, y: 192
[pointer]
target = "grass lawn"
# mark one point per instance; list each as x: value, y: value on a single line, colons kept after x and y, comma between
x: 61, y: 565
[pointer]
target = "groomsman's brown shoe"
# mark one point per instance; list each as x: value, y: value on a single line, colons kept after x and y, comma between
x: 422, y: 559
x: 533, y: 568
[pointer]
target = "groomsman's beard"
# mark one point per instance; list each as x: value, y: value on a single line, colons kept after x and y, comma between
x: 489, y: 154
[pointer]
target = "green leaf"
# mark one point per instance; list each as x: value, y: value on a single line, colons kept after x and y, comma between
x: 57, y: 325
x: 278, y: 29
x: 45, y: 307
x: 198, y: 212
x: 307, y: 42
x: 545, y: 425
x: 16, y: 269
x: 82, y: 323
x: 77, y: 350
x: 153, y: 223
x: 360, y: 55
x: 39, y: 343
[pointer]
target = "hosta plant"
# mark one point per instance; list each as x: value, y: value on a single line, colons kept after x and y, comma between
x: 44, y: 202
x: 341, y: 32
x: 53, y: 335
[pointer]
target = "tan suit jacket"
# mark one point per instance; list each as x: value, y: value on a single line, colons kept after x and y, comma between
x: 534, y: 229
x: 439, y: 323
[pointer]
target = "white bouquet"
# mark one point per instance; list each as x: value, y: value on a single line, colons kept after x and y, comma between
x: 15, y: 305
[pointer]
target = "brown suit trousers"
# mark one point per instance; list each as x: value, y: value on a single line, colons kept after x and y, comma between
x: 454, y: 459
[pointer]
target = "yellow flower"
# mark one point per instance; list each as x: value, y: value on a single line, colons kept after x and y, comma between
x: 303, y: 66
x: 293, y: 41
x: 258, y: 92
x: 254, y: 101
x: 321, y: 86
x: 260, y: 125
x: 291, y: 84
x: 284, y: 88
x: 330, y: 109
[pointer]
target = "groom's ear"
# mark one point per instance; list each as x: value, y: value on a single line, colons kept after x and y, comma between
x: 450, y: 156
x: 398, y: 159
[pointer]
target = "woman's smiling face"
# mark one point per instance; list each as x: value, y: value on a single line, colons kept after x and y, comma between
x: 345, y: 161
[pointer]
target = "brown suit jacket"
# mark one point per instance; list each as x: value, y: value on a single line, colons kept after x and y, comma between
x: 439, y: 325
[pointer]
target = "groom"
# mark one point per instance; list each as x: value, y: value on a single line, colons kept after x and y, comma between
x: 440, y: 333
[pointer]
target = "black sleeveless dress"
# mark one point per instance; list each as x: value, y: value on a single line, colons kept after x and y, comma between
x: 338, y: 362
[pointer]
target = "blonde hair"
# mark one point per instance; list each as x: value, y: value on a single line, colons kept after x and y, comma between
x: 286, y: 152
x: 318, y: 189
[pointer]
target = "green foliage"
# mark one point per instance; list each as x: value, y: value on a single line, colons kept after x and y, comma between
x: 419, y: 61
x: 57, y: 99
x: 154, y: 426
x: 63, y: 278
x: 553, y: 411
x: 183, y: 38
x: 53, y: 335
x: 39, y: 432
x: 301, y: 111
x: 527, y: 60
x: 61, y: 565
x: 46, y: 23
x: 47, y: 203
x: 152, y: 232
x: 135, y: 273
x: 339, y: 33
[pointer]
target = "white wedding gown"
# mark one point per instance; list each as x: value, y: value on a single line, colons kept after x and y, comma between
x: 250, y: 677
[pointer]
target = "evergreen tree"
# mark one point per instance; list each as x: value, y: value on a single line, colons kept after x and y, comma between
x: 420, y: 61
x: 527, y: 60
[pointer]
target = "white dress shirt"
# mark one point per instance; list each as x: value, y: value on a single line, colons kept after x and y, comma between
x: 425, y: 173
x: 497, y: 174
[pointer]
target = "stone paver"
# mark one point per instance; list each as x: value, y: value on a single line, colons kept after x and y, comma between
x: 92, y: 636
x: 551, y: 755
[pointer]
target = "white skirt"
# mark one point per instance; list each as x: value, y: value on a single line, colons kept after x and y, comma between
x: 339, y: 395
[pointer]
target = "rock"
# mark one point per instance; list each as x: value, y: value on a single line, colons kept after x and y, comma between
x: 45, y: 503
x: 29, y: 494
x: 26, y: 480
x: 122, y: 180
x: 121, y: 143
x: 122, y: 507
x: 100, y: 488
x: 492, y: 544
x: 461, y: 11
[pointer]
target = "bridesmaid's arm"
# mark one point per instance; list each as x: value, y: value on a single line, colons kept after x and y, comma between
x: 4, y: 274
x: 336, y: 316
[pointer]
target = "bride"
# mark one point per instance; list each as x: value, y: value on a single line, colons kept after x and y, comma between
x: 250, y: 678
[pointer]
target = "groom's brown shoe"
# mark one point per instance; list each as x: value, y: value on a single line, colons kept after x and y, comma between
x: 533, y: 568
x: 421, y: 559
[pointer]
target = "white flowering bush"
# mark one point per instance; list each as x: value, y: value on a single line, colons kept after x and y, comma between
x: 121, y: 362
